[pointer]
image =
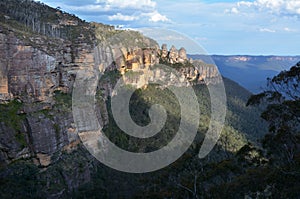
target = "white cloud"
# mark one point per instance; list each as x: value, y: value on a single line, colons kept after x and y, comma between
x: 157, y: 17
x: 244, y: 3
x: 118, y: 10
x: 137, y: 4
x: 289, y: 29
x: 274, y: 6
x: 266, y: 30
x: 122, y: 17
x: 127, y: 10
x: 88, y: 8
x: 233, y: 10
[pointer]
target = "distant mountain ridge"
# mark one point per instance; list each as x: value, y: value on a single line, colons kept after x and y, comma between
x: 276, y: 63
x: 249, y: 71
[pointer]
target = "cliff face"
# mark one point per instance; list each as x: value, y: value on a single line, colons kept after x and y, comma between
x: 32, y: 74
x: 39, y: 80
x: 41, y: 52
x: 26, y: 71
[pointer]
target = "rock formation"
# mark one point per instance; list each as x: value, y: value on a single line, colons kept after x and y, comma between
x: 139, y: 60
x: 182, y: 57
x: 164, y: 51
x: 173, y: 55
x: 31, y: 72
x: 38, y: 69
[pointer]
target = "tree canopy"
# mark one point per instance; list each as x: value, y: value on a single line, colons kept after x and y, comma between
x: 282, y: 99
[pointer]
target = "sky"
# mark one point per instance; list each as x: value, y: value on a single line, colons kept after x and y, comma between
x: 224, y: 27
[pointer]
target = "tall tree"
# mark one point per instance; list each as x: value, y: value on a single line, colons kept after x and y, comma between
x: 282, y: 112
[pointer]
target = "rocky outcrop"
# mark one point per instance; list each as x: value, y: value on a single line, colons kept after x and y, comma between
x: 32, y: 72
x: 164, y: 51
x: 173, y: 55
x: 182, y: 57
x: 136, y: 59
x: 207, y: 73
x: 39, y: 61
x: 139, y: 62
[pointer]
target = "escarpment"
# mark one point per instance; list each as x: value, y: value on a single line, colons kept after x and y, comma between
x: 37, y: 76
x: 41, y: 51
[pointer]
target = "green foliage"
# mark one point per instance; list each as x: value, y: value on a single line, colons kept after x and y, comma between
x: 245, y: 119
x: 282, y: 114
x: 104, y: 32
x: 241, y: 122
x: 63, y: 101
x: 222, y: 168
x: 20, y: 137
x: 251, y: 156
x: 158, y: 184
x: 140, y: 104
x: 280, y: 175
x: 10, y: 114
x: 241, y: 125
x: 175, y: 65
x: 95, y: 190
x: 20, y: 181
x: 39, y: 18
x: 46, y: 112
x: 260, y: 182
x: 133, y: 74
x: 232, y: 140
x: 122, y: 38
x: 111, y: 76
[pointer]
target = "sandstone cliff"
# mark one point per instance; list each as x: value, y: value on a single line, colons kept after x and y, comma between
x: 41, y: 51
x: 34, y: 67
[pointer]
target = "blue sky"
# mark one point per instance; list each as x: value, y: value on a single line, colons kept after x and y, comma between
x: 256, y: 27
